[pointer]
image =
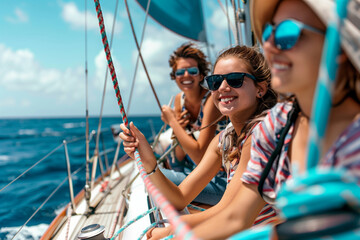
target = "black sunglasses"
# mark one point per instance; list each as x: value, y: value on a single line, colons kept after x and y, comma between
x: 234, y: 80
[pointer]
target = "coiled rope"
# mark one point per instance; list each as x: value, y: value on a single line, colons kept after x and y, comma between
x: 182, y: 229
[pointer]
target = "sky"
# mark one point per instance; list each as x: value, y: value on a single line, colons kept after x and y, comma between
x: 43, y: 57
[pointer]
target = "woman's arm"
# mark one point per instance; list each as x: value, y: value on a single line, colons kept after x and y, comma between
x: 191, y: 186
x: 194, y: 148
x: 230, y: 193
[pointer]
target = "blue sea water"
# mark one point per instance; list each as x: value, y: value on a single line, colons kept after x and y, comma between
x: 23, y: 142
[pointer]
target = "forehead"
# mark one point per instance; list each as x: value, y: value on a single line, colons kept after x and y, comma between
x: 186, y: 62
x: 297, y: 10
x: 230, y: 64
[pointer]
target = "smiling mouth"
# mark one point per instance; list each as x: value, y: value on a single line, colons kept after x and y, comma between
x: 280, y: 66
x: 187, y: 82
x: 227, y: 99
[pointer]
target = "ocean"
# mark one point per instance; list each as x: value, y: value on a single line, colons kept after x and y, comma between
x: 24, y: 142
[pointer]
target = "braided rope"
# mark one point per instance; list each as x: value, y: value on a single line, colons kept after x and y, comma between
x: 110, y: 62
x: 181, y: 228
x: 326, y: 81
x: 168, y: 237
x: 196, y: 207
x: 132, y: 221
x: 147, y: 229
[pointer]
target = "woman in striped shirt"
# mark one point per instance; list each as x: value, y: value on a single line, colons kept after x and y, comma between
x: 293, y: 39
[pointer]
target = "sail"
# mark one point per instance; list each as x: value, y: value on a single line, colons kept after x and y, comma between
x: 183, y: 17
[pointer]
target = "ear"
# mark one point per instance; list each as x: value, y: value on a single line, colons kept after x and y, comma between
x: 262, y: 88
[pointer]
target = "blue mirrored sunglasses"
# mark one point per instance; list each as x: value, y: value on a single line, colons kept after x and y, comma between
x: 193, y: 71
x: 286, y: 33
x: 234, y: 80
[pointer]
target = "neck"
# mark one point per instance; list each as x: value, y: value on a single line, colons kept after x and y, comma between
x: 238, y: 125
x: 195, y: 97
x: 305, y: 105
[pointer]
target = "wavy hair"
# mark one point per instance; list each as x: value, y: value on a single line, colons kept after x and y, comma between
x: 189, y: 50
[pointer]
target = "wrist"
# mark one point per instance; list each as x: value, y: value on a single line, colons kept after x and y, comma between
x: 153, y: 171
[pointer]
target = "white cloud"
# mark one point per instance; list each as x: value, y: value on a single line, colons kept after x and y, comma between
x: 8, y: 102
x: 219, y: 29
x: 20, y: 16
x: 76, y: 18
x: 20, y: 70
x: 158, y: 44
x: 100, y: 70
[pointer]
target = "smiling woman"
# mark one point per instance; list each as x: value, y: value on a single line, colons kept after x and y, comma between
x: 193, y: 111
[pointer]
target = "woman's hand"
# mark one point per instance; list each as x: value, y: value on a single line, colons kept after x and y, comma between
x: 168, y: 115
x: 158, y: 233
x: 133, y: 139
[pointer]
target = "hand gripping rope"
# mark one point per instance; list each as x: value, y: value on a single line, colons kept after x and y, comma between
x: 182, y: 230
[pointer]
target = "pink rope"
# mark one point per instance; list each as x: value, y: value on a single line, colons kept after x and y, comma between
x: 183, y: 231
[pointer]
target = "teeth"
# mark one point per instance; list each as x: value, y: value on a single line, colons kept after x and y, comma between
x: 187, y: 82
x: 226, y: 99
x: 280, y: 66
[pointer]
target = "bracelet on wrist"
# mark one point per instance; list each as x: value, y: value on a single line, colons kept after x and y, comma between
x: 153, y: 171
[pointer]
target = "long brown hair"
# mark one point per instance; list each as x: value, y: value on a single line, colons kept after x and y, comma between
x: 258, y: 67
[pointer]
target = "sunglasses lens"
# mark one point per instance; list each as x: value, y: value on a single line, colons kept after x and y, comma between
x: 287, y: 34
x: 267, y: 32
x: 180, y: 72
x: 235, y: 80
x: 213, y: 82
x: 193, y: 71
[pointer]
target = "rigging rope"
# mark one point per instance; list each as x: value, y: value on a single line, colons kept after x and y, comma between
x: 140, y: 55
x: 181, y: 228
x: 110, y: 62
x: 96, y: 150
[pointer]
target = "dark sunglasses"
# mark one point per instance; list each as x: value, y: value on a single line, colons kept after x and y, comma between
x: 193, y: 71
x: 286, y: 33
x: 235, y: 80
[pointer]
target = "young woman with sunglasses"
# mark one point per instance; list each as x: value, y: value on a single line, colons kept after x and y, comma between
x: 240, y: 90
x: 293, y: 37
x: 192, y: 108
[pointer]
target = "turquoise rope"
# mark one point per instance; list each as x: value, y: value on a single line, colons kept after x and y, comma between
x: 327, y: 76
x: 147, y: 229
x: 196, y: 207
x: 168, y: 237
x: 133, y: 220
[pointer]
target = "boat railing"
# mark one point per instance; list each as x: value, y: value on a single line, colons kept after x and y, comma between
x: 70, y: 174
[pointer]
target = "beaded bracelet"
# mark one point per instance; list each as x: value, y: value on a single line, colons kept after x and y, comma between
x: 153, y: 171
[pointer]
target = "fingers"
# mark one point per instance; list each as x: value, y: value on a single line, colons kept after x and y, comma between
x: 184, y: 114
x: 148, y: 233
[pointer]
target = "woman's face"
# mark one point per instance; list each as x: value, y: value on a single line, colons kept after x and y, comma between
x: 296, y: 70
x: 187, y: 82
x: 237, y: 103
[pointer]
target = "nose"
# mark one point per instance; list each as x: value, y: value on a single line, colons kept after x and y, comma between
x: 186, y: 73
x: 269, y: 46
x: 224, y: 85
